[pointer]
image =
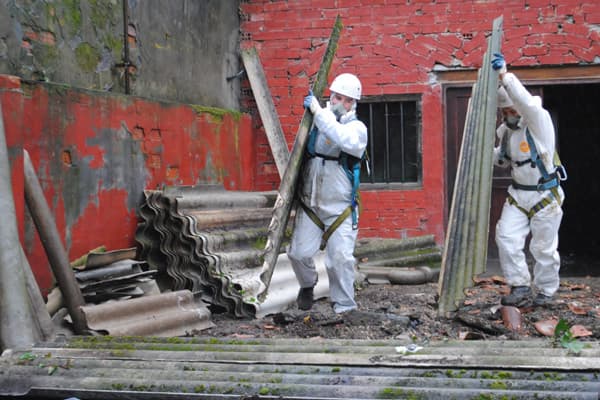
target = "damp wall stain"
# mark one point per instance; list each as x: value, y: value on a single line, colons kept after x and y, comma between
x: 95, y: 153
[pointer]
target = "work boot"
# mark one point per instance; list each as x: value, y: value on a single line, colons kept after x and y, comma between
x: 542, y: 300
x: 520, y: 296
x: 305, y: 298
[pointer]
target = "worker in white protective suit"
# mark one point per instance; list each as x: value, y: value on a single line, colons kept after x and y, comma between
x: 533, y: 205
x: 327, y: 193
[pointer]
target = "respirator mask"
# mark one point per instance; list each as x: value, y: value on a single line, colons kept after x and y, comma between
x: 512, y: 121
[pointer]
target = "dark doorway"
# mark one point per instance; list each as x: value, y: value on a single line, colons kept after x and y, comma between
x: 575, y: 109
x: 576, y: 113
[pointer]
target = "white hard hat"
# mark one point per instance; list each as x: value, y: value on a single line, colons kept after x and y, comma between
x: 503, y: 99
x: 348, y: 85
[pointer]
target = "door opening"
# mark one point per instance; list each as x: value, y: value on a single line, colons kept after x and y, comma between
x: 575, y: 112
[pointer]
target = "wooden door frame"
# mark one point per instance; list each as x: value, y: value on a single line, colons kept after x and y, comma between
x: 529, y: 76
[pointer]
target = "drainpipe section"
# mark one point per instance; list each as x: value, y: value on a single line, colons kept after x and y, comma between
x: 56, y: 253
x: 16, y: 322
x: 126, y: 62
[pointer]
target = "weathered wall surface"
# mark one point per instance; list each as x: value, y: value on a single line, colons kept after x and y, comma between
x: 396, y: 47
x: 180, y: 50
x: 95, y: 153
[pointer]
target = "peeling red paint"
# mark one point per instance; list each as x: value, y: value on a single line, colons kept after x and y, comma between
x: 99, y: 225
x: 95, y: 153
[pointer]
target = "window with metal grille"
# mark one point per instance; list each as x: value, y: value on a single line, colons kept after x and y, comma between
x: 394, y: 148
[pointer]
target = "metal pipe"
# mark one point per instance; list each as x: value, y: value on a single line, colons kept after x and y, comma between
x: 126, y: 62
x: 56, y: 253
x: 16, y: 321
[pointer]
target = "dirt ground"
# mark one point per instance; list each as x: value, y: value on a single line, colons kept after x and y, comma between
x: 409, y: 312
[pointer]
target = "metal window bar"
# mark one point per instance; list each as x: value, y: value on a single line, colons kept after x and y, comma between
x: 386, y: 161
x: 402, y: 144
x: 371, y: 144
x: 389, y: 153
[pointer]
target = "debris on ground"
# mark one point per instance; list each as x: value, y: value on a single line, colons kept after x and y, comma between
x: 389, y: 311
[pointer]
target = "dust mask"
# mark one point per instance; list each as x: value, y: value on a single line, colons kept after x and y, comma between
x: 338, y: 110
x: 512, y: 121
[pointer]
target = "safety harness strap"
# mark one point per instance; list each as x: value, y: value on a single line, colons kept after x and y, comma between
x: 540, y: 205
x: 329, y: 231
x: 535, y: 158
x: 353, y: 173
x: 543, y: 185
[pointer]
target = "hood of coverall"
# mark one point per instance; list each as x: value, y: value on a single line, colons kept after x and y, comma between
x: 503, y: 99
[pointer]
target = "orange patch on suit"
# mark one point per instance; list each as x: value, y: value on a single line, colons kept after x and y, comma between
x: 524, y: 146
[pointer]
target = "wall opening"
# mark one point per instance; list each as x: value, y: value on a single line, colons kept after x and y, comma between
x: 575, y: 111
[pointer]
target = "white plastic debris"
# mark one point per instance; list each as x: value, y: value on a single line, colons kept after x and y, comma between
x: 411, y: 348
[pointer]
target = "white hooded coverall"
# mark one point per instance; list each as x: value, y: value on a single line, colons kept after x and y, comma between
x: 327, y: 191
x: 514, y: 225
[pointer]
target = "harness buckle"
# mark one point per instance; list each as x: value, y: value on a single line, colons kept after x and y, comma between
x: 549, y: 184
x: 561, y: 172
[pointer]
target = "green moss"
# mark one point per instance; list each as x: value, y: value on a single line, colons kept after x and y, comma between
x: 395, y: 393
x: 455, y: 374
x: 27, y: 357
x: 139, y: 388
x: 486, y: 375
x: 216, y: 113
x: 552, y: 376
x: 118, y: 353
x: 45, y: 54
x: 102, y: 12
x: 87, y: 57
x: 483, y: 397
x: 115, y: 45
x: 69, y: 16
x: 260, y: 243
x: 263, y: 391
x: 498, y: 385
x: 199, y: 389
x: 503, y: 375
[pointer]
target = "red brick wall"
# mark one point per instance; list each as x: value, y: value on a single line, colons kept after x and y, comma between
x: 393, y: 46
x: 95, y: 153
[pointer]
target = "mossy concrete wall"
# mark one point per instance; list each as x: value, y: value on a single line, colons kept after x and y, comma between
x: 180, y: 50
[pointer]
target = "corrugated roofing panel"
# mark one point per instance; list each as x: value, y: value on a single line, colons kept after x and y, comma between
x: 209, y: 368
x: 166, y: 314
x: 207, y: 240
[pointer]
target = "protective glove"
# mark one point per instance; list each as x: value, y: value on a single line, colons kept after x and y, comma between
x: 498, y: 63
x: 311, y: 102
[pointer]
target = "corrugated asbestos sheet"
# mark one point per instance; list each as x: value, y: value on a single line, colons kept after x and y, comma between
x: 208, y: 240
x: 465, y: 250
x: 210, y: 368
x: 167, y: 314
x: 211, y: 241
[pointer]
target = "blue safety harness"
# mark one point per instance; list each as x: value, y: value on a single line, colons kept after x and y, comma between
x: 351, y: 166
x: 548, y: 181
